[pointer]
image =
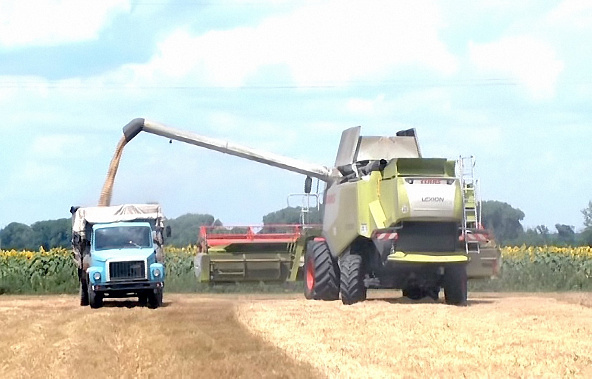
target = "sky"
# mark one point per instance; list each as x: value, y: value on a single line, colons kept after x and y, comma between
x: 507, y: 82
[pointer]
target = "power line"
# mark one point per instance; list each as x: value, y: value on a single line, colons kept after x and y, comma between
x: 402, y: 83
x: 390, y: 83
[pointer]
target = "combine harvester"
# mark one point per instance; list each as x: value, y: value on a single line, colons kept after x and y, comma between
x: 392, y: 219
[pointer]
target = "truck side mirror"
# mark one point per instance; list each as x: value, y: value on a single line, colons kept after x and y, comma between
x: 167, y: 231
x: 307, y: 184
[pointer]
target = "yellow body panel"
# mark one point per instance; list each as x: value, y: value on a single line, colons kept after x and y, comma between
x: 400, y: 256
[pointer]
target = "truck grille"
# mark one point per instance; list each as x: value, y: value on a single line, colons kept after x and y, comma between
x: 127, y: 270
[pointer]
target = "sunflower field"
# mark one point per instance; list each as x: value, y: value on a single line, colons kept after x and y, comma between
x: 545, y: 268
x: 524, y: 268
x: 54, y: 271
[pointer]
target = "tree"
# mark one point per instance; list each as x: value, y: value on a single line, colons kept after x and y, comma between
x: 291, y: 215
x: 542, y: 230
x: 565, y: 234
x: 586, y: 235
x: 539, y: 236
x: 587, y: 212
x: 18, y: 236
x: 185, y: 228
x: 502, y: 219
x: 53, y: 233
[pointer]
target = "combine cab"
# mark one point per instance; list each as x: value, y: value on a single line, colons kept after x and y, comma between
x: 251, y: 253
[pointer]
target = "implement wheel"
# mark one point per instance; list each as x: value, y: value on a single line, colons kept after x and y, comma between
x: 321, y: 272
x: 353, y: 289
x: 455, y: 284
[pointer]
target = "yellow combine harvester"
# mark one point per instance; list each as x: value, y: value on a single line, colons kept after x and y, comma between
x: 392, y: 219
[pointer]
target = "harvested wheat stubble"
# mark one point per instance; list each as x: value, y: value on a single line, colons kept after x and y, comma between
x: 495, y: 336
x: 191, y: 336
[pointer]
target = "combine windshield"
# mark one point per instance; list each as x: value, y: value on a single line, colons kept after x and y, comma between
x: 123, y: 237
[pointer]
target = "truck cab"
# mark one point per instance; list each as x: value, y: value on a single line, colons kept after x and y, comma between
x: 119, y: 253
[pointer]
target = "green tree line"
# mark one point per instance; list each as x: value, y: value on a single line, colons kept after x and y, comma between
x: 505, y: 223
x: 503, y: 220
x: 58, y: 233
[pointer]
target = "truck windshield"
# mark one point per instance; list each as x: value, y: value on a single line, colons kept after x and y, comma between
x: 122, y: 237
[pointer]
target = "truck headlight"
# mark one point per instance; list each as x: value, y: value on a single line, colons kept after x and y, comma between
x: 97, y: 276
x: 156, y: 272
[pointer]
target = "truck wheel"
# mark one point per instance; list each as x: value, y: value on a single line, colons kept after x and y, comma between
x: 159, y: 294
x: 142, y: 299
x: 155, y: 298
x: 353, y: 289
x: 83, y: 290
x: 95, y: 299
x: 455, y: 284
x: 321, y: 273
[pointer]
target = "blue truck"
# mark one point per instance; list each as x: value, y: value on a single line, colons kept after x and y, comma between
x: 119, y: 253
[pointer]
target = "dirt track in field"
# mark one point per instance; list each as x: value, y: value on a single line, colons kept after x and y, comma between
x: 284, y: 336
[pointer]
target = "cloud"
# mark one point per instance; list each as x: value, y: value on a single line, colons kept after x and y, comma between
x: 328, y: 43
x: 54, y: 22
x: 35, y: 174
x: 365, y: 106
x: 482, y: 141
x: 529, y: 60
x: 57, y: 146
x: 572, y: 13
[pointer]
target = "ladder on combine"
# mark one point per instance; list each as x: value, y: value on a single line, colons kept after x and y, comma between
x: 471, y: 203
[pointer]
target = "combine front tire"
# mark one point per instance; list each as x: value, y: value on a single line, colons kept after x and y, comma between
x: 455, y: 284
x: 321, y: 273
x: 353, y: 289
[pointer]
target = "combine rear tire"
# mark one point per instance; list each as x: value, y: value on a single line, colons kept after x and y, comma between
x: 353, y: 289
x: 321, y: 273
x: 455, y: 284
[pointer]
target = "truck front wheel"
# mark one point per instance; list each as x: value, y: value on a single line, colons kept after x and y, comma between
x: 321, y: 273
x: 455, y: 284
x: 155, y: 298
x: 353, y: 289
x: 142, y: 299
x: 95, y: 299
x: 83, y: 289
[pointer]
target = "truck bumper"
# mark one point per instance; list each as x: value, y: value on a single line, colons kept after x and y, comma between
x: 127, y: 286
